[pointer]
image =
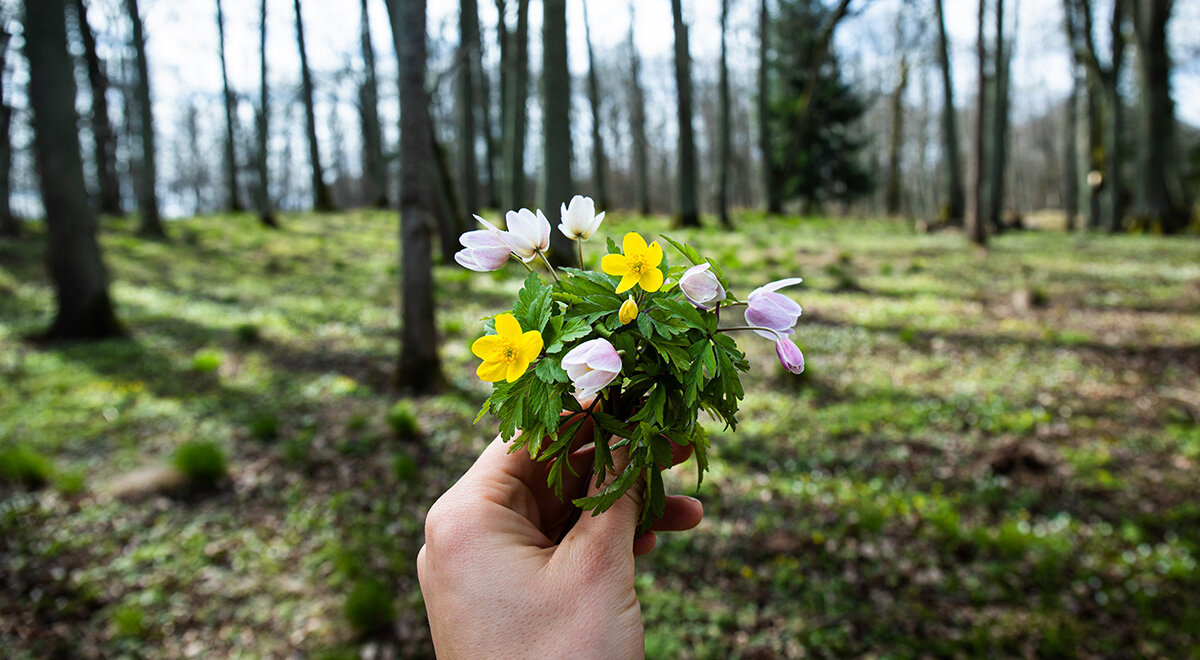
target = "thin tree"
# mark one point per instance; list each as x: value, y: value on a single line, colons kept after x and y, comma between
x: 322, y: 202
x: 374, y: 163
x: 1159, y: 197
x: 557, y: 184
x: 419, y: 370
x: 765, y: 140
x: 997, y: 150
x: 725, y: 139
x: 468, y: 164
x: 266, y: 210
x: 9, y: 225
x: 84, y: 309
x: 516, y: 110
x: 599, y: 162
x: 951, y: 155
x: 896, y: 138
x: 976, y: 223
x: 637, y: 122
x: 483, y: 108
x: 104, y: 139
x: 233, y: 201
x: 147, y: 179
x: 688, y: 212
x: 1071, y: 149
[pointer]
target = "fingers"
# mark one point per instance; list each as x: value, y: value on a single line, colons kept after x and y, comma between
x: 644, y: 544
x: 608, y: 536
x: 681, y: 513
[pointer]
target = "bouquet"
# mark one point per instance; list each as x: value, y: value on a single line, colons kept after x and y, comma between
x: 637, y: 346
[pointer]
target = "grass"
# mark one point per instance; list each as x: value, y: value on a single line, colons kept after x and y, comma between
x: 952, y: 476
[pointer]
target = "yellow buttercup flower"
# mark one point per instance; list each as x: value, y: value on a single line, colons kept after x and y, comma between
x: 638, y: 265
x: 507, y: 354
x: 629, y: 311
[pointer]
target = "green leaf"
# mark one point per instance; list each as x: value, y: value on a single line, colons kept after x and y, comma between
x: 686, y: 250
x: 550, y: 371
x: 535, y: 303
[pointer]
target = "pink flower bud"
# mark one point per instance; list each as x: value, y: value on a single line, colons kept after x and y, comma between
x: 591, y: 366
x: 768, y: 309
x: 485, y: 251
x: 789, y: 355
x: 701, y: 286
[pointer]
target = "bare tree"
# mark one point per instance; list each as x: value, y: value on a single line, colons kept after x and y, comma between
x: 688, y: 211
x: 374, y: 163
x: 322, y: 202
x: 76, y: 265
x: 976, y: 223
x: 951, y: 154
x: 266, y: 211
x: 637, y: 123
x: 104, y: 139
x: 765, y: 141
x: 147, y: 179
x: 599, y: 161
x: 233, y: 201
x: 419, y: 370
x: 9, y: 225
x: 557, y: 184
x: 725, y: 128
x: 468, y: 44
x: 516, y: 99
x: 896, y: 136
x: 1160, y: 197
x: 997, y: 152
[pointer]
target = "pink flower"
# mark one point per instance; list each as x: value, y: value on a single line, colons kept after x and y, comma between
x: 701, y: 286
x: 789, y: 355
x: 767, y: 309
x: 591, y: 366
x: 485, y: 250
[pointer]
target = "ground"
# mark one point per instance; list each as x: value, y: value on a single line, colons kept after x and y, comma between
x: 989, y: 454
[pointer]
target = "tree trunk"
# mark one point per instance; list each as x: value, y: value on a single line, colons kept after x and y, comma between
x: 997, y: 151
x: 1071, y: 152
x: 266, y: 212
x: 418, y: 370
x: 447, y: 209
x: 500, y: 178
x: 147, y: 182
x: 1158, y: 199
x: 104, y: 139
x: 322, y: 202
x: 770, y: 169
x: 9, y: 225
x: 955, y: 197
x: 599, y: 161
x: 233, y: 201
x: 374, y: 164
x: 1114, y: 203
x: 76, y: 265
x: 637, y: 123
x: 516, y: 100
x: 725, y: 129
x: 896, y: 139
x: 688, y: 211
x: 468, y: 165
x: 483, y: 119
x: 976, y: 225
x: 558, y: 185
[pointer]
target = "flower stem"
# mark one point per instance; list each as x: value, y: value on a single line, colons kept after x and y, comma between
x: 579, y: 249
x: 548, y: 266
x: 778, y: 335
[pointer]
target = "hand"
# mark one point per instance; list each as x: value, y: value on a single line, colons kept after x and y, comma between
x: 497, y: 585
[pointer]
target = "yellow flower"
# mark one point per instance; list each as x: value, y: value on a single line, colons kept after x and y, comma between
x: 507, y: 354
x: 629, y: 311
x: 638, y: 264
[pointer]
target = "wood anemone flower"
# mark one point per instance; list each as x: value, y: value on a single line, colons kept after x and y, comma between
x: 637, y: 265
x: 506, y: 355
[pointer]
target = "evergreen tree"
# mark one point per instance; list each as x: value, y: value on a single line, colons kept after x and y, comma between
x: 812, y: 111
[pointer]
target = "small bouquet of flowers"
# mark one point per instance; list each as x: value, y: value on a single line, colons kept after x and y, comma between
x: 638, y: 347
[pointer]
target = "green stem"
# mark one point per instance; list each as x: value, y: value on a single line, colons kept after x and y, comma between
x: 548, y: 266
x: 779, y: 335
x: 579, y: 249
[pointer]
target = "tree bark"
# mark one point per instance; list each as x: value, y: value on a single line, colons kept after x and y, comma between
x: 558, y: 185
x: 976, y: 225
x: 1158, y: 199
x: 374, y: 163
x: 516, y: 104
x: 896, y: 139
x: 9, y: 225
x: 951, y: 156
x: 725, y: 129
x: 770, y: 170
x: 103, y: 137
x: 322, y: 202
x: 1071, y: 152
x: 266, y: 212
x: 599, y: 161
x: 483, y: 92
x: 468, y: 164
x: 147, y: 181
x: 84, y: 309
x: 637, y: 123
x: 997, y: 150
x: 233, y: 201
x: 688, y: 212
x: 418, y: 370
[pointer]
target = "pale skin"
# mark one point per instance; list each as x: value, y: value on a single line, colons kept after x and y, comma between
x: 496, y: 583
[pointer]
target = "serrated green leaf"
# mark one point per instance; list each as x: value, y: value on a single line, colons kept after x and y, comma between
x: 550, y: 371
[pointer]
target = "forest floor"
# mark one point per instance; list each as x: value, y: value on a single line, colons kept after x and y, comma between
x: 988, y: 454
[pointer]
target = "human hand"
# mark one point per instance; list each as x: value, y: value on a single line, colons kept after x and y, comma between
x: 496, y: 583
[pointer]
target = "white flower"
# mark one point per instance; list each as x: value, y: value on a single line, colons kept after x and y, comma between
x: 527, y: 233
x: 579, y: 220
x: 591, y: 366
x: 701, y: 286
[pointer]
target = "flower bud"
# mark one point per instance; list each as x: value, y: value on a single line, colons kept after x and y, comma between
x: 701, y: 286
x: 527, y: 233
x: 629, y: 311
x: 484, y: 251
x: 591, y: 366
x: 579, y: 220
x: 767, y: 309
x: 790, y: 355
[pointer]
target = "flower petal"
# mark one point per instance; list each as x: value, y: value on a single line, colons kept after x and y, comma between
x: 515, y: 370
x: 485, y: 346
x: 482, y: 238
x: 633, y: 243
x: 628, y: 281
x: 775, y: 286
x: 530, y: 345
x: 654, y: 254
x: 652, y: 280
x: 490, y: 372
x: 615, y: 264
x: 507, y: 326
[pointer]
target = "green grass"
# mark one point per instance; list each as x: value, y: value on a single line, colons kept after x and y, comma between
x: 951, y: 476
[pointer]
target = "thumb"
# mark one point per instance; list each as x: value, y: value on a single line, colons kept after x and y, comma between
x: 611, y: 533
